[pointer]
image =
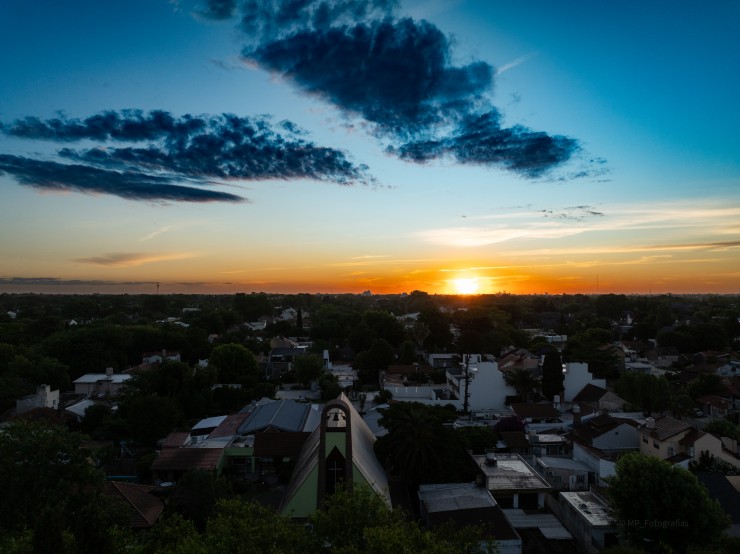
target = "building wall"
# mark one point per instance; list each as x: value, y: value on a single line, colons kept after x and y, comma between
x: 602, y: 468
x: 560, y: 478
x: 713, y: 445
x: 488, y: 388
x: 661, y: 449
x: 303, y: 504
x: 620, y: 438
x: 577, y: 376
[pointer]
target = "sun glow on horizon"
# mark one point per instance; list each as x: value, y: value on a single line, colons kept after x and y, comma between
x: 468, y: 285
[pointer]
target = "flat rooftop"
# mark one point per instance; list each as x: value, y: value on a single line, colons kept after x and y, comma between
x: 454, y: 496
x: 590, y: 507
x: 510, y: 472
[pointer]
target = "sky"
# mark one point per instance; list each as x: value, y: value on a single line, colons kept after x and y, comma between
x: 322, y: 146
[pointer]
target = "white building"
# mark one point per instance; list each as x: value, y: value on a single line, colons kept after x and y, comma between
x: 576, y: 376
x: 44, y: 397
x: 101, y: 384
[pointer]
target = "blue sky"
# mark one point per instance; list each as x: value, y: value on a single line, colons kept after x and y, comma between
x: 636, y: 186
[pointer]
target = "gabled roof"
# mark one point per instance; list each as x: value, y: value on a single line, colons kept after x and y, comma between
x: 590, y: 393
x: 363, y: 457
x: 596, y: 426
x: 145, y: 508
x: 666, y: 427
x: 280, y: 415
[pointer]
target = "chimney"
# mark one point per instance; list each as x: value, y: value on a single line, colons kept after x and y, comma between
x: 109, y: 372
x: 576, y: 414
x: 650, y: 423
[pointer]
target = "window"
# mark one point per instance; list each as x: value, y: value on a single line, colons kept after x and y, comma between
x: 580, y: 478
x: 644, y: 439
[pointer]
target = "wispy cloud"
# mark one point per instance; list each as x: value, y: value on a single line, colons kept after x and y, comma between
x: 128, y: 259
x: 514, y: 63
x: 156, y: 233
x: 708, y: 218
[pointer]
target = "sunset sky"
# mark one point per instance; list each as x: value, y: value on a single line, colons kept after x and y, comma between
x: 449, y: 146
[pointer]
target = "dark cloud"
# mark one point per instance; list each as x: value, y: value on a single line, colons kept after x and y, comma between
x: 267, y: 20
x: 482, y: 141
x: 49, y: 175
x: 395, y: 74
x: 398, y: 74
x: 219, y: 9
x: 176, y: 148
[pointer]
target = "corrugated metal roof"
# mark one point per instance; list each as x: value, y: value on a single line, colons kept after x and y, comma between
x: 282, y: 415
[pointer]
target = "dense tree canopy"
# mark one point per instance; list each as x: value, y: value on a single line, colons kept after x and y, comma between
x: 664, y: 504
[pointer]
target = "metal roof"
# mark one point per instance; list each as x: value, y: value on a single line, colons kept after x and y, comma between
x: 281, y: 415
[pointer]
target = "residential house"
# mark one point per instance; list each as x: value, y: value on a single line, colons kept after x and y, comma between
x: 44, y: 397
x: 663, y: 357
x: 160, y: 357
x: 575, y: 377
x: 520, y: 358
x: 600, y: 440
x: 511, y: 480
x: 661, y: 437
x: 464, y: 504
x: 607, y: 433
x: 729, y: 369
x: 599, y: 398
x: 697, y: 442
x: 101, y: 384
x: 715, y: 406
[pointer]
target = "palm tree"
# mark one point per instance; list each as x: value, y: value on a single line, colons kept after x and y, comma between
x: 418, y: 443
x: 523, y: 381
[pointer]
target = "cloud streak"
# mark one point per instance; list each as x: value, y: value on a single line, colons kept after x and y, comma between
x: 129, y: 259
x: 397, y: 74
x: 196, y: 149
x: 532, y: 224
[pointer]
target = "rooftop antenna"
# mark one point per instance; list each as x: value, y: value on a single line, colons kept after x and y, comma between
x: 157, y: 287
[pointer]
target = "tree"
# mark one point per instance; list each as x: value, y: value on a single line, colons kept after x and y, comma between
x: 370, y: 362
x: 235, y: 364
x: 655, y: 502
x: 248, y: 528
x: 412, y: 450
x: 150, y: 418
x: 308, y: 367
x: 644, y: 391
x: 50, y: 487
x: 552, y: 375
x: 523, y: 381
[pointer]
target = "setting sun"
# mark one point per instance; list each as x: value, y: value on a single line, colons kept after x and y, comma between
x: 466, y: 286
